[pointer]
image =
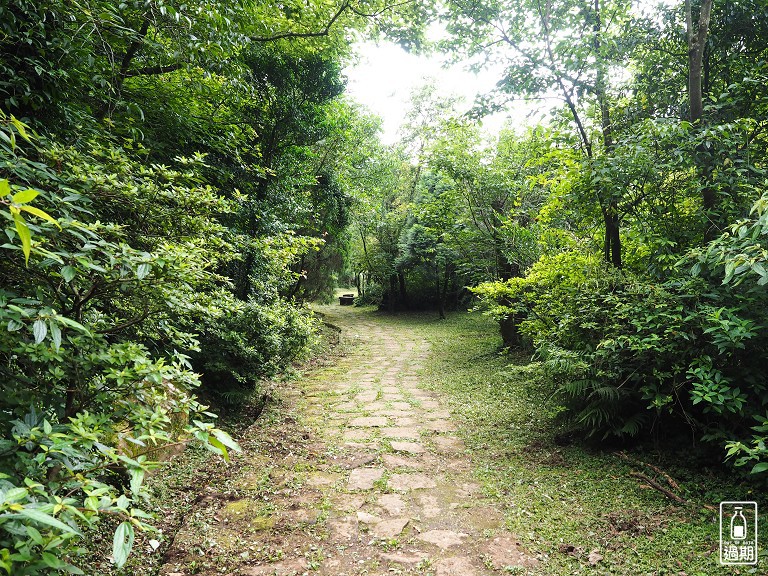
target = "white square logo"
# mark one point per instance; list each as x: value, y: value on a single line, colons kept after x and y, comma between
x: 738, y: 533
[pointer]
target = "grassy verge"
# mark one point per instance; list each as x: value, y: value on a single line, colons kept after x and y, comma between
x: 577, y: 507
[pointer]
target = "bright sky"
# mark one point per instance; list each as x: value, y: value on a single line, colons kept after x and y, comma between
x: 386, y: 75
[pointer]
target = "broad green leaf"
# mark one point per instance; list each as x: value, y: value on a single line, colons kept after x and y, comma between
x: 14, y: 325
x: 761, y: 467
x: 55, y: 335
x: 225, y: 439
x: 43, y: 518
x: 142, y: 270
x: 35, y: 535
x: 68, y: 273
x: 52, y: 561
x: 41, y: 214
x: 5, y: 187
x: 25, y: 196
x: 122, y: 543
x: 137, y: 478
x: 220, y: 448
x: 21, y: 128
x: 40, y: 330
x: 24, y: 235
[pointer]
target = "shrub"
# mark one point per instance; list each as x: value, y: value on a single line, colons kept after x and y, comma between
x: 631, y: 355
x: 247, y: 341
x: 92, y: 390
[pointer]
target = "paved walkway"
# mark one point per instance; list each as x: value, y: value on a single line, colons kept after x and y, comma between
x: 379, y: 482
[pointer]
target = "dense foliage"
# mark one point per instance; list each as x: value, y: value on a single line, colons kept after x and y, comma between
x: 624, y: 240
x: 178, y: 180
x: 175, y: 186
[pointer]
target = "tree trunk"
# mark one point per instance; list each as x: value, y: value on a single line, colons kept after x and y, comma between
x: 403, y: 292
x: 697, y: 39
x: 610, y: 207
x: 392, y: 292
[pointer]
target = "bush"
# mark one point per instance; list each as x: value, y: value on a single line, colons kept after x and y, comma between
x: 633, y: 357
x: 92, y: 389
x: 247, y: 341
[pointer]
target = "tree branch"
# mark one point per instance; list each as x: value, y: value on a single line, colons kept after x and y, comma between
x: 152, y: 70
x: 324, y: 32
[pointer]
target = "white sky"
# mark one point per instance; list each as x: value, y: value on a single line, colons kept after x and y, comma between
x: 386, y: 75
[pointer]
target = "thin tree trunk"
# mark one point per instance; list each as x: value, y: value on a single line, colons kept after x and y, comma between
x: 403, y: 292
x: 697, y: 39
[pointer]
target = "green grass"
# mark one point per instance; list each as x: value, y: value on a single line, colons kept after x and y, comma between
x: 567, y: 499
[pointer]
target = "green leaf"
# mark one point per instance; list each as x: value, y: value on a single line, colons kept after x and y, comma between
x: 225, y: 439
x: 14, y: 325
x: 219, y: 448
x: 25, y: 196
x: 5, y: 187
x: 137, y: 478
x: 24, y: 235
x: 52, y: 561
x: 55, y: 335
x: 41, y: 214
x: 40, y: 330
x: 21, y: 128
x: 68, y: 273
x: 761, y: 467
x: 33, y: 533
x: 142, y: 270
x: 122, y: 543
x: 43, y: 518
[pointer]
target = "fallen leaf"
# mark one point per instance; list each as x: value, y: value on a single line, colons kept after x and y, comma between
x: 594, y: 557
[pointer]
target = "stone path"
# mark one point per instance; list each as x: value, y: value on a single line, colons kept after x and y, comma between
x: 382, y: 484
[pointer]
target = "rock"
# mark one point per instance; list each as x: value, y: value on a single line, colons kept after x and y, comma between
x: 318, y: 479
x: 284, y: 568
x: 388, y: 529
x: 456, y: 566
x: 594, y: 557
x: 369, y: 422
x: 363, y: 478
x: 506, y: 551
x: 343, y: 529
x: 442, y: 538
x: 392, y: 504
x: 407, y: 482
x: 403, y: 558
x: 366, y: 518
x: 401, y: 432
x: 392, y: 461
x: 409, y: 447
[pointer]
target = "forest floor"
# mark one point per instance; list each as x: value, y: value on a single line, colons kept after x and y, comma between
x: 418, y: 449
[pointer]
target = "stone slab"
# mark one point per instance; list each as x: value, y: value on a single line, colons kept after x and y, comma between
x: 408, y: 447
x: 388, y: 529
x: 391, y: 504
x: 369, y: 422
x: 363, y: 478
x: 401, y: 432
x: 392, y: 461
x: 443, y: 539
x: 406, y: 482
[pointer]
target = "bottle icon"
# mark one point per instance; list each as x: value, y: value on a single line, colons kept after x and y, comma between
x: 738, y: 525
